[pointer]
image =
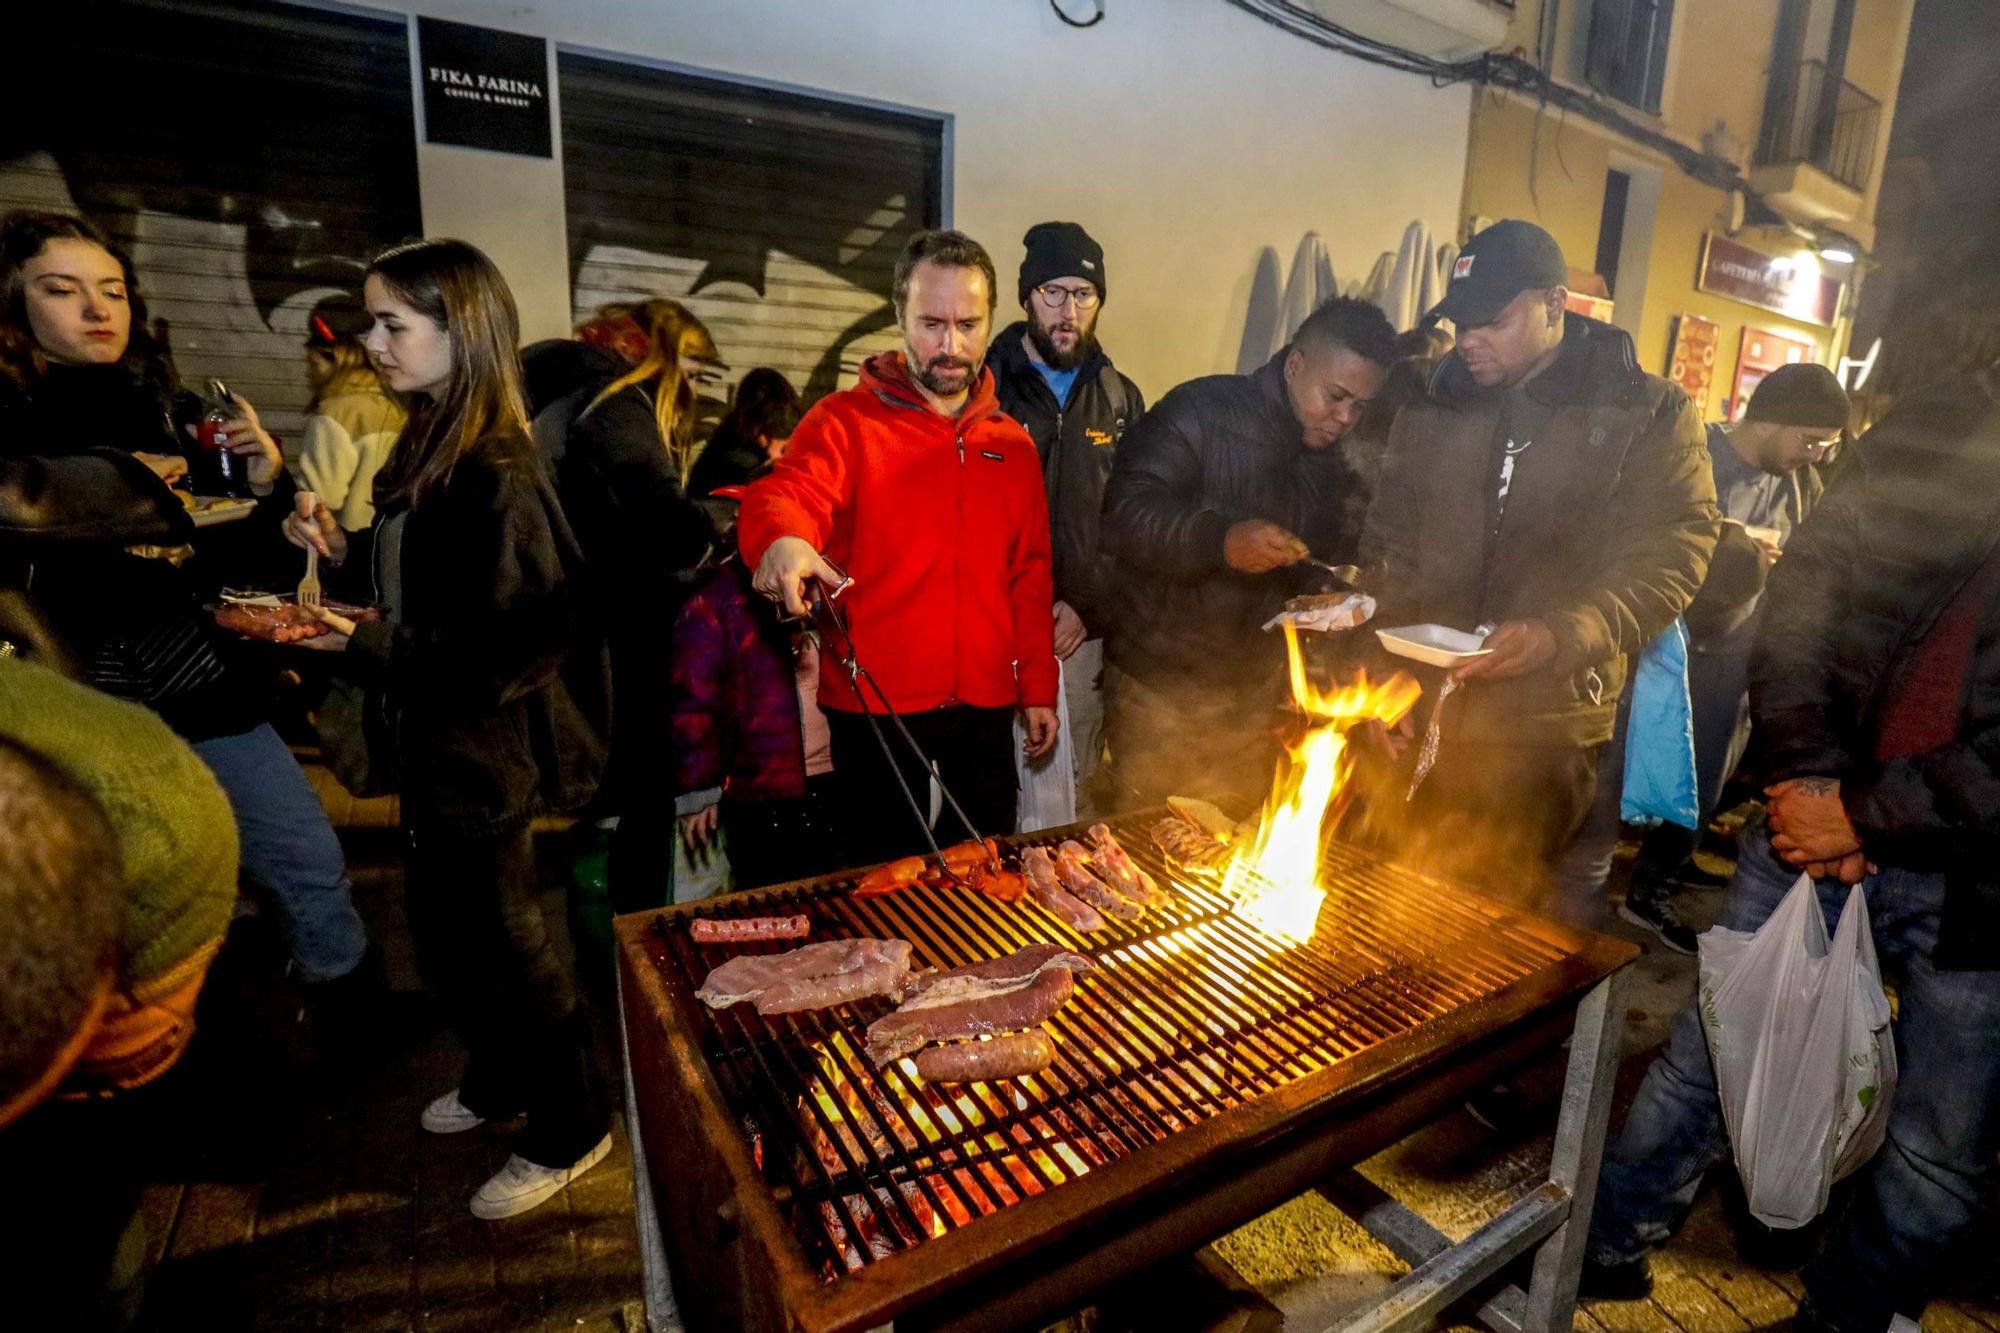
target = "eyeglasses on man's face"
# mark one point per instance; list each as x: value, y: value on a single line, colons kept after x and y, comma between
x: 1055, y: 296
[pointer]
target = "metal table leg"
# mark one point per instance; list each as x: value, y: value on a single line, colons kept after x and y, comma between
x: 662, y: 1312
x: 1553, y: 1220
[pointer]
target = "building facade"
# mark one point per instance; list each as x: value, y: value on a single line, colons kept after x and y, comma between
x: 1717, y: 179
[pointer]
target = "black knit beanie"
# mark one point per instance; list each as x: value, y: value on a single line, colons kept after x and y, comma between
x: 1801, y: 394
x: 1060, y: 250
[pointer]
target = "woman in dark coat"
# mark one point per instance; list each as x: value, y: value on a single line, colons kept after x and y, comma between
x: 489, y: 667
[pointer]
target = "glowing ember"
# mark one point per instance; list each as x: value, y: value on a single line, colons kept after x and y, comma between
x: 1275, y: 878
x: 976, y: 1143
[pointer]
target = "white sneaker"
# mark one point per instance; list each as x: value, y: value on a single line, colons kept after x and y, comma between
x: 448, y: 1115
x: 521, y: 1185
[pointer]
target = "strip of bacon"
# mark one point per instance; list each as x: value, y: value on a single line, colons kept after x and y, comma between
x: 1073, y: 869
x: 1115, y: 864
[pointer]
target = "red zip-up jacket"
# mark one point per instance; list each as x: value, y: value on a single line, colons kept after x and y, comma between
x: 944, y: 525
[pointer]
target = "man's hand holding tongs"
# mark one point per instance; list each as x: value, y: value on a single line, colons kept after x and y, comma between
x: 784, y: 574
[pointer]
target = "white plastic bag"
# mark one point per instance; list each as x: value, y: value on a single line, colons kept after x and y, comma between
x: 1798, y: 1029
x: 1048, y: 784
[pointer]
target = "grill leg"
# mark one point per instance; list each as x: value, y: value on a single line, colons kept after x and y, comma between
x: 1553, y: 1220
x: 1579, y: 1151
x: 662, y: 1313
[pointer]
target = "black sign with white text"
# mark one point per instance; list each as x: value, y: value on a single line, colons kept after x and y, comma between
x: 484, y: 89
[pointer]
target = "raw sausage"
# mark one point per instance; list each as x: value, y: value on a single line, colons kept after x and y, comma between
x: 1010, y: 1056
x: 726, y: 930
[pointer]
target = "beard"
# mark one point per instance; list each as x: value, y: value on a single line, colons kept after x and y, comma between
x: 945, y: 376
x: 1053, y: 356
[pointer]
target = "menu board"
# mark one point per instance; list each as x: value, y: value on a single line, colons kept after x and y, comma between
x: 1691, y: 363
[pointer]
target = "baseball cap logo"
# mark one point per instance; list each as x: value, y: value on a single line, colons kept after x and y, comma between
x: 1462, y: 267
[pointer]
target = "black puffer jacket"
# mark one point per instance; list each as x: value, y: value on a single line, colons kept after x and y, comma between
x: 1607, y: 532
x: 1077, y: 441
x: 1862, y: 581
x: 496, y: 670
x: 1212, y: 453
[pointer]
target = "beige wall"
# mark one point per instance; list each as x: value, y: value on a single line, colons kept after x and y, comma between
x: 1185, y: 134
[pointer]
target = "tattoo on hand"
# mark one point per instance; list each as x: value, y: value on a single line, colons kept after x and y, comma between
x: 1819, y: 786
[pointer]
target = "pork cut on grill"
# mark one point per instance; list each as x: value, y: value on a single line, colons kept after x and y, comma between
x: 1115, y: 864
x: 1050, y: 893
x: 985, y: 999
x: 1073, y: 869
x: 812, y: 976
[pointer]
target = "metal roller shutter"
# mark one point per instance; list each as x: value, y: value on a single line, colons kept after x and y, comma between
x: 252, y: 158
x: 773, y: 216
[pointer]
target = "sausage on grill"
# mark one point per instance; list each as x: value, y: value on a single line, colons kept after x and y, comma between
x: 730, y: 930
x: 1010, y: 1056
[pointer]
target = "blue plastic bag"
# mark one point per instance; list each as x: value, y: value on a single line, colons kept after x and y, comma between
x: 1659, y: 737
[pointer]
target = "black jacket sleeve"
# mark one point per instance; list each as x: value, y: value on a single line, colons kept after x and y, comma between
x: 1792, y: 690
x: 102, y: 495
x: 518, y: 616
x: 1154, y: 516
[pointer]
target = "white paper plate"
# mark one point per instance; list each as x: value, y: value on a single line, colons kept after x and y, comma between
x: 1437, y: 645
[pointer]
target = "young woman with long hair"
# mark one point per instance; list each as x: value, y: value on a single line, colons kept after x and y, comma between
x: 490, y: 665
x: 101, y: 544
x: 615, y: 419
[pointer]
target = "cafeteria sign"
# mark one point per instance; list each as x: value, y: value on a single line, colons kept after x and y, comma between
x: 1784, y: 286
x: 484, y: 89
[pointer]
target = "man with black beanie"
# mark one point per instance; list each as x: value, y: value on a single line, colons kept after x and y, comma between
x: 1054, y: 378
x: 1765, y: 487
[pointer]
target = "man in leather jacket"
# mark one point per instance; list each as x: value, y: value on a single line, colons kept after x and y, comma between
x: 1216, y: 497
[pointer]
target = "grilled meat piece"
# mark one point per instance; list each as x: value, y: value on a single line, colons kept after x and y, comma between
x: 1186, y: 845
x: 978, y: 1001
x: 1073, y: 869
x: 1115, y: 864
x: 812, y: 976
x: 1010, y: 1056
x: 1050, y: 893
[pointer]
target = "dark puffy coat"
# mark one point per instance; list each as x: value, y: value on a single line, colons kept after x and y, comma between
x: 1607, y: 532
x: 1212, y: 453
x: 1077, y: 441
x: 496, y: 672
x: 735, y: 695
x: 1861, y: 581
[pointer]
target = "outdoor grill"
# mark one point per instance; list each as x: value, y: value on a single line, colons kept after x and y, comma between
x: 1204, y: 1072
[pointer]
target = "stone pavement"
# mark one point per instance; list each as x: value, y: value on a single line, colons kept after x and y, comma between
x: 288, y: 1198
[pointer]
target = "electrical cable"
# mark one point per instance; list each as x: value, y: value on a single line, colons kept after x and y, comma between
x: 1090, y: 22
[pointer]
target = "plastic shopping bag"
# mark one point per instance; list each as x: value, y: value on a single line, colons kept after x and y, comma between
x: 1798, y: 1029
x: 1660, y: 782
x: 1048, y: 784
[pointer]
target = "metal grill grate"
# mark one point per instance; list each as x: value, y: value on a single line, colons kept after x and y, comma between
x: 1190, y: 1012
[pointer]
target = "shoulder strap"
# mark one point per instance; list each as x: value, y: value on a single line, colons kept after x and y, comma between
x: 1116, y: 398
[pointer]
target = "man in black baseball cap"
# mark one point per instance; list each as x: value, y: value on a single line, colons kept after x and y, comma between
x: 1550, y: 496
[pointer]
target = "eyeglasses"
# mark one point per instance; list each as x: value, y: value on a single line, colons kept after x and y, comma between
x: 1055, y: 297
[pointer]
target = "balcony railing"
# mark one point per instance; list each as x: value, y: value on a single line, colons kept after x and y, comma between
x: 1837, y: 134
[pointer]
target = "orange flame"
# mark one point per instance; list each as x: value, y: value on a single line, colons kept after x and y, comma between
x: 1275, y: 878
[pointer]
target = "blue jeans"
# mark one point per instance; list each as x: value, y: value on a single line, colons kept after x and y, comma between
x: 290, y: 848
x: 1887, y: 1252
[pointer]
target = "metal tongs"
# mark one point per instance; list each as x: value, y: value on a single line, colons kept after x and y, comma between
x: 822, y: 607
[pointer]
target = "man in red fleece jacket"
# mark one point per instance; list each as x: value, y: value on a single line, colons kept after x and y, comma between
x: 931, y: 498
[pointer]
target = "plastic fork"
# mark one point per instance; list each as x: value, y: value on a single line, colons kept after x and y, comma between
x: 308, y: 593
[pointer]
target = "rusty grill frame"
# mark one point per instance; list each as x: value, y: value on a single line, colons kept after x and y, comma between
x: 1360, y: 1035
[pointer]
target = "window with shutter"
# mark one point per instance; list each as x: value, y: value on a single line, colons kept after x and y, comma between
x: 1627, y: 54
x: 774, y: 216
x: 252, y: 158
